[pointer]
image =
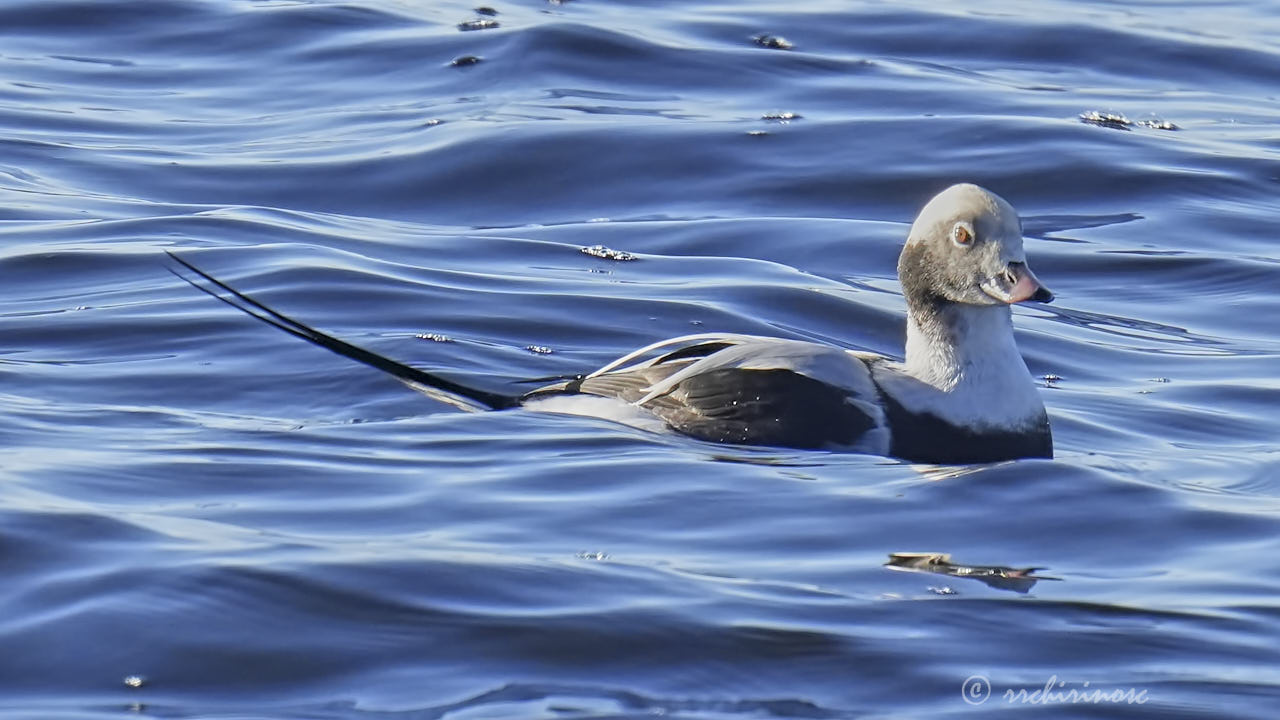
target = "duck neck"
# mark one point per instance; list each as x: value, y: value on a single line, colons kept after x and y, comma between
x: 951, y: 346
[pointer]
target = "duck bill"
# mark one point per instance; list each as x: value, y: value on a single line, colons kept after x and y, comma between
x: 1017, y: 284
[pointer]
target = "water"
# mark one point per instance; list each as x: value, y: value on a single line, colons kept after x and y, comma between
x: 255, y: 528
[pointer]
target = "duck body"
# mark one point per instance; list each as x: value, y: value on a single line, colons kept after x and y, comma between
x: 751, y: 390
x: 961, y: 394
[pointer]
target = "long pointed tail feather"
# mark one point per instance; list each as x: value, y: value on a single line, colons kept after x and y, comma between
x: 434, y: 385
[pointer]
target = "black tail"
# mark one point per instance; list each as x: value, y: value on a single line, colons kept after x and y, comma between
x: 419, y: 379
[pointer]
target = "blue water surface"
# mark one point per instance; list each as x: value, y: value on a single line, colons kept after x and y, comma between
x: 203, y: 517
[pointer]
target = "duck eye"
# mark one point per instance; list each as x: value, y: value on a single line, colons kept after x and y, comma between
x: 962, y: 234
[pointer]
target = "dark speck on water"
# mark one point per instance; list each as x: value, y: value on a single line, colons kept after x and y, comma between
x: 1106, y: 119
x: 1117, y: 121
x: 772, y: 42
x: 237, y: 523
x: 478, y: 24
x: 605, y: 253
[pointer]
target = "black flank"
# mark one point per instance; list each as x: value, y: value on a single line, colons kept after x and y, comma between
x: 926, y: 438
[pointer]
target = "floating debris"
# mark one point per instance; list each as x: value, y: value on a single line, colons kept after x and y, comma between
x: 1117, y: 121
x: 605, y: 253
x: 773, y: 42
x: 434, y: 337
x: 478, y: 24
x: 1111, y: 120
x: 757, y: 133
x: 593, y: 556
x: 539, y: 349
x: 134, y: 681
x: 1159, y: 380
x: 432, y: 122
x: 465, y: 60
x: 486, y: 10
x: 944, y: 590
x: 781, y: 117
x: 1050, y: 380
x: 997, y: 576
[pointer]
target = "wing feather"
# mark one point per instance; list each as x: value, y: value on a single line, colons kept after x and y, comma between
x: 747, y: 390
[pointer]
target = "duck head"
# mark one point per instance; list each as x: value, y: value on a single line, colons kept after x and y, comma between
x: 965, y: 248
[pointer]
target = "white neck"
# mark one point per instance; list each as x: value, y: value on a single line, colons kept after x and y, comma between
x: 967, y: 358
x: 945, y: 348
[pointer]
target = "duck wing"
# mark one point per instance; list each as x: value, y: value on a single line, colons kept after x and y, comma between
x: 748, y: 390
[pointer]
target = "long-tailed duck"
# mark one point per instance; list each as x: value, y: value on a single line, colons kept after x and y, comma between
x: 962, y: 395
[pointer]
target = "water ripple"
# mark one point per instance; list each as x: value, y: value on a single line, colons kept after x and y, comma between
x: 254, y: 527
